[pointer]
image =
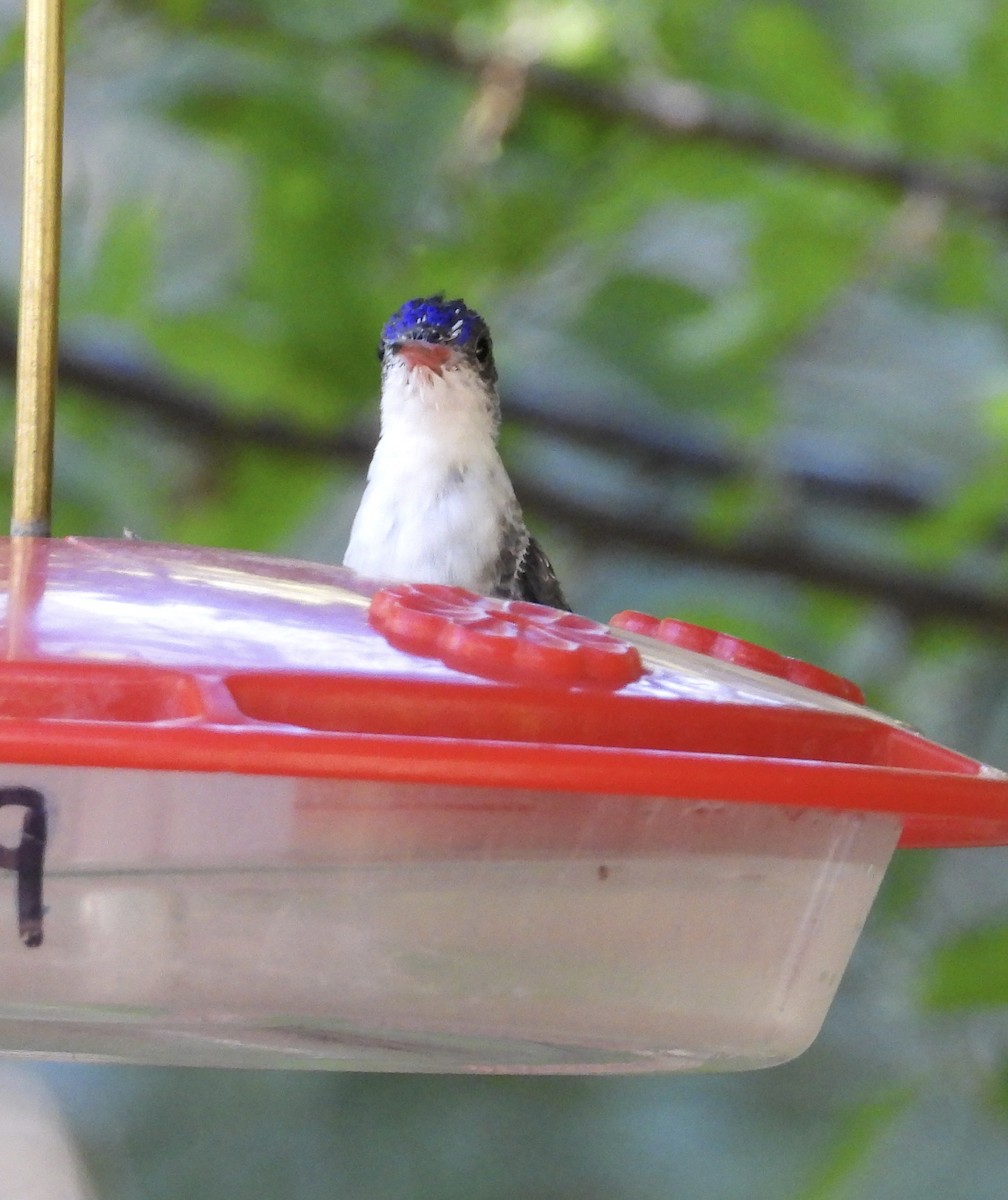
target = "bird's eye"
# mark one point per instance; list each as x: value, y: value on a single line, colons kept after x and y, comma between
x: 482, y: 348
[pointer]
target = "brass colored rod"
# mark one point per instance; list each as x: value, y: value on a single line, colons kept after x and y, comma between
x: 38, y: 315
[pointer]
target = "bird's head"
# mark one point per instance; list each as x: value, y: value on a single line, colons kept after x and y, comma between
x: 443, y: 337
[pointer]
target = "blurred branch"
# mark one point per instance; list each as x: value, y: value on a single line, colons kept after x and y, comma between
x: 194, y: 414
x: 918, y: 595
x: 677, y: 110
x: 188, y: 411
x: 653, y: 445
x: 657, y: 447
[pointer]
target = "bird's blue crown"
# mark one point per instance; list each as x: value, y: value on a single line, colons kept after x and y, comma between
x: 437, y: 318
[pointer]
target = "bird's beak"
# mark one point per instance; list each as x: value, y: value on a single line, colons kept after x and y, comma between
x: 424, y: 354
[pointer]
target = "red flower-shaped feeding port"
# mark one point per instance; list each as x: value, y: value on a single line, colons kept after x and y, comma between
x: 735, y: 650
x: 509, y: 640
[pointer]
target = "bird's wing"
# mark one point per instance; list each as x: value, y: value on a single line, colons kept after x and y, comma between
x: 535, y: 579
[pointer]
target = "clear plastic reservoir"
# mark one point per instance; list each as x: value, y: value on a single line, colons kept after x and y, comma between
x: 229, y: 920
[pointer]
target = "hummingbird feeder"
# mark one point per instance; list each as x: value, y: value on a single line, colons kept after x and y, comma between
x: 269, y: 813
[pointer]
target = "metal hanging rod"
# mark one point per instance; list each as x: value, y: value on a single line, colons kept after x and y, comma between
x: 38, y: 314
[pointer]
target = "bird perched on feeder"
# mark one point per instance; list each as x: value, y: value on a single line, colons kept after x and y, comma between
x: 439, y: 506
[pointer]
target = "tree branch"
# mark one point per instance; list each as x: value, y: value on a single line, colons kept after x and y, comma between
x: 188, y: 411
x: 195, y: 414
x: 917, y: 594
x: 681, y: 111
x: 654, y: 445
x: 659, y: 448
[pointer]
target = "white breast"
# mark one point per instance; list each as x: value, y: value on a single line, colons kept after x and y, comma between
x: 437, y: 495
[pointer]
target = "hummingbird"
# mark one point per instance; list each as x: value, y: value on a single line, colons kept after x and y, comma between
x: 439, y: 506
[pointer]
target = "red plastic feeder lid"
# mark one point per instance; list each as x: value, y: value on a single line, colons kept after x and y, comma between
x: 135, y: 654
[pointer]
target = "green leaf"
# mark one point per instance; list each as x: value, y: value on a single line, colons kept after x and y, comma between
x: 332, y: 21
x: 970, y: 971
x: 996, y: 1090
x: 965, y: 522
x: 120, y: 285
x: 967, y: 258
x: 252, y: 499
x: 631, y: 314
x: 184, y: 13
x: 906, y: 880
x: 784, y: 57
x: 861, y: 1131
x: 810, y: 241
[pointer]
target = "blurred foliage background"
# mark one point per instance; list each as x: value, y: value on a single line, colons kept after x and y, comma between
x: 746, y: 266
